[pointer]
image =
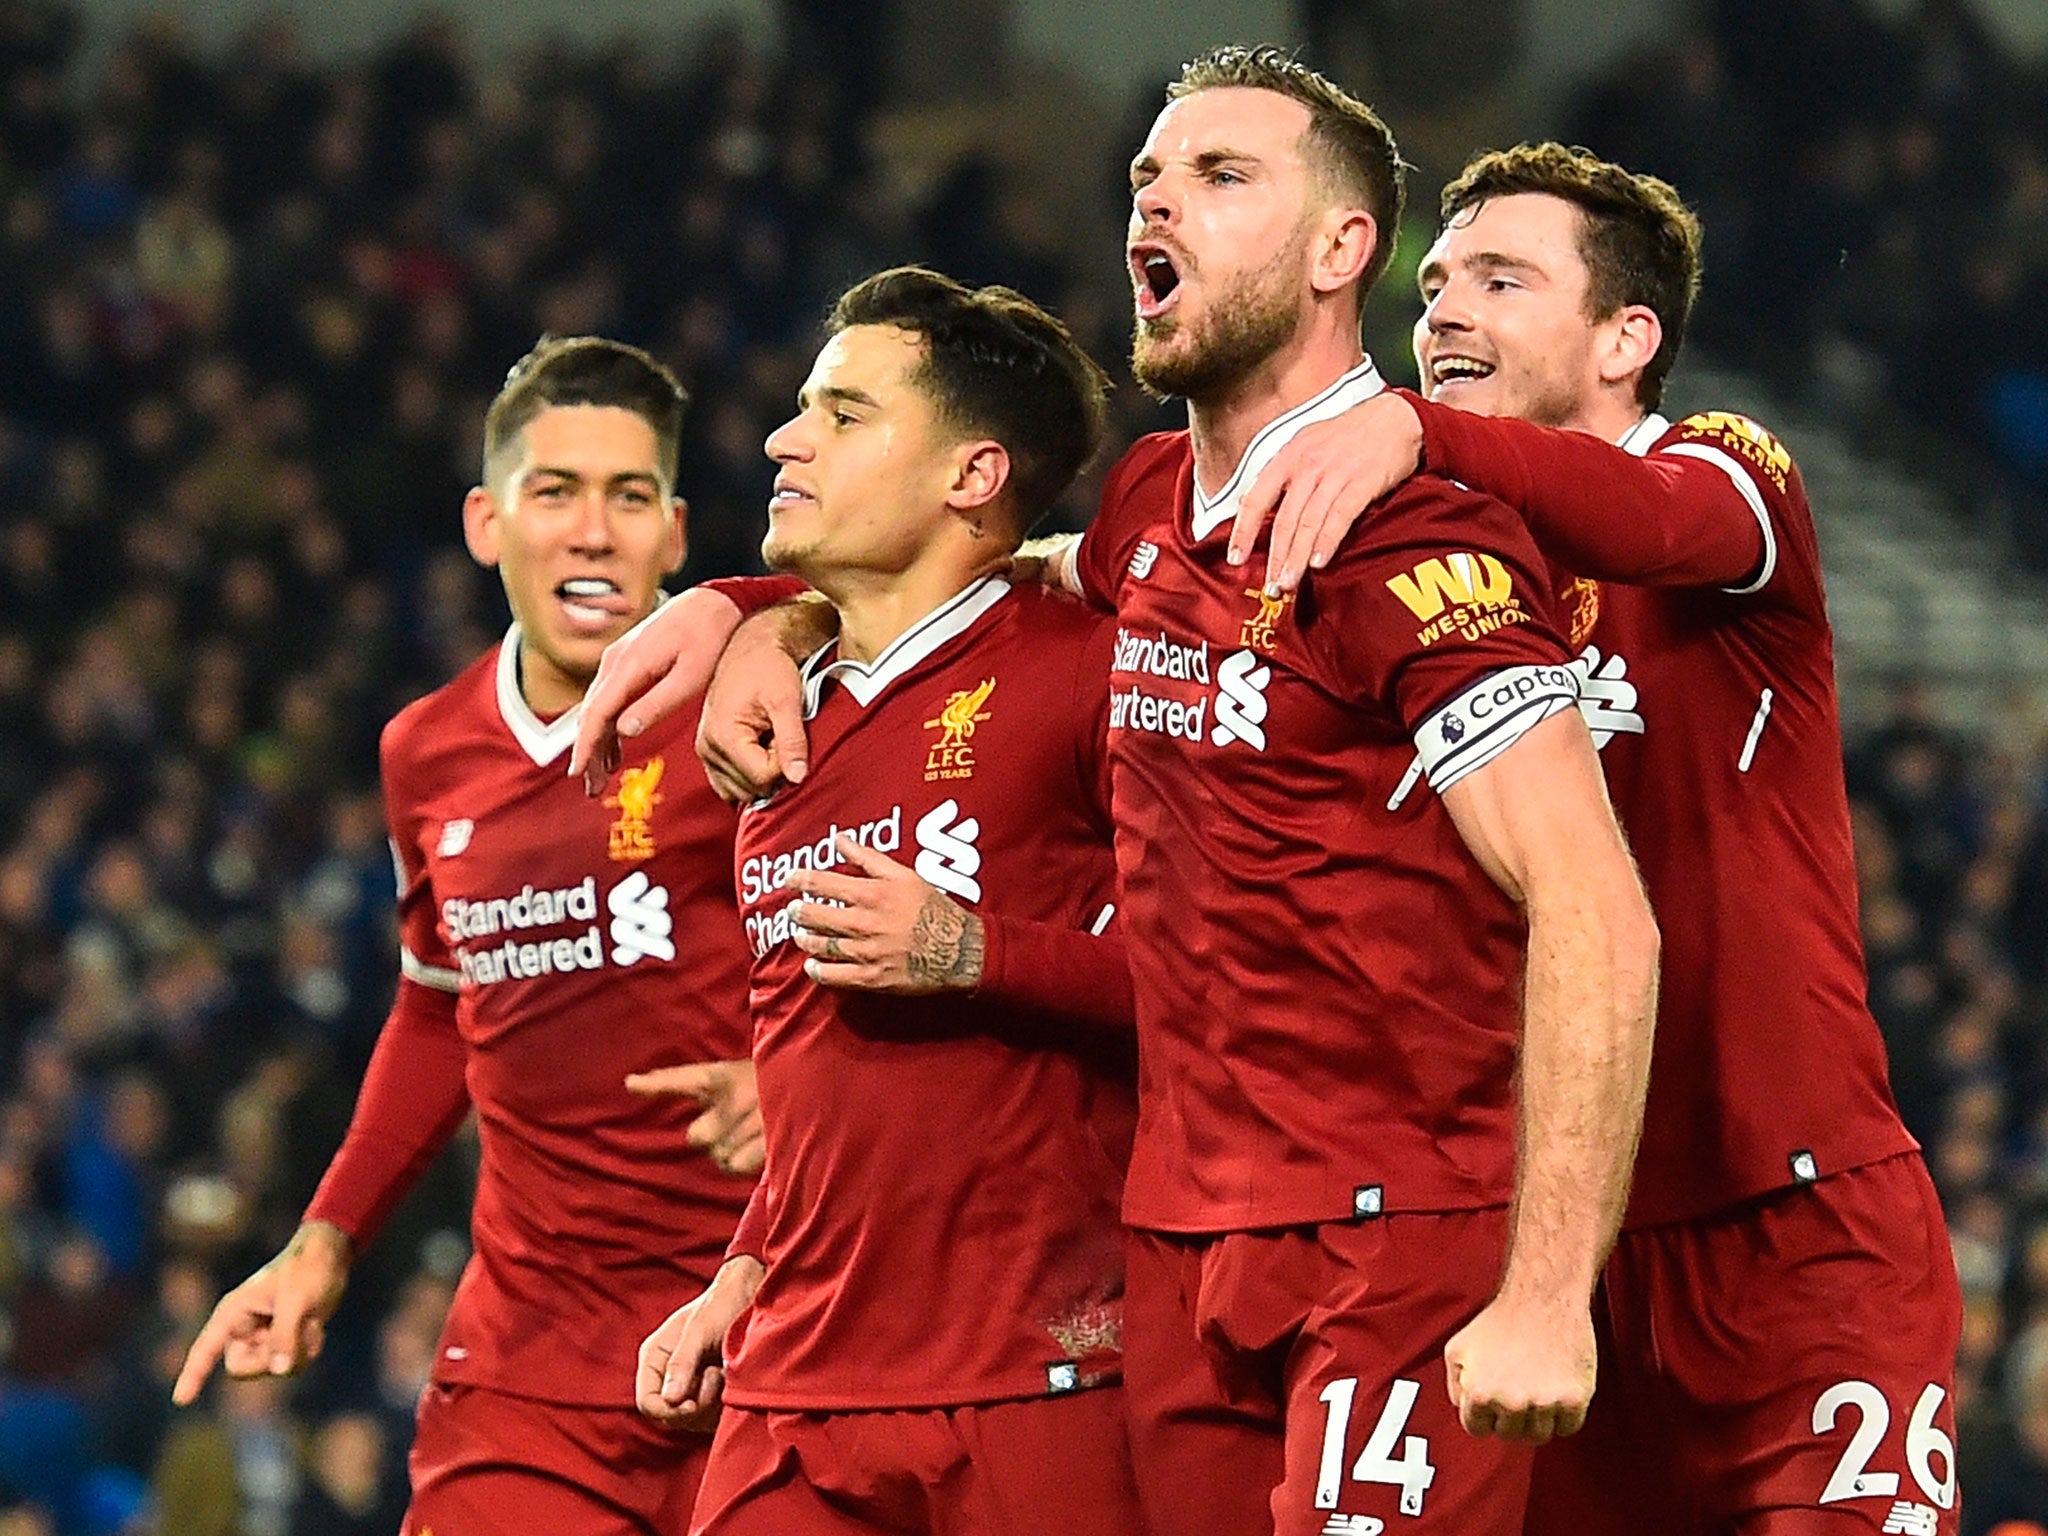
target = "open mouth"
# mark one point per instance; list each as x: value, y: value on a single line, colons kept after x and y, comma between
x: 1449, y: 369
x: 787, y: 494
x: 1155, y: 278
x: 591, y: 600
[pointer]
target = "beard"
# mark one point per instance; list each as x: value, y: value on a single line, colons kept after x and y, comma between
x: 1247, y: 323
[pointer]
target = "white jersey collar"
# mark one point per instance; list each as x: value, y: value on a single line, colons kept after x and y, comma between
x: 543, y: 741
x: 1211, y: 513
x: 1642, y: 437
x: 867, y: 681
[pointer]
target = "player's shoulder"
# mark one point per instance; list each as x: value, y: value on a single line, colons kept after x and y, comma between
x: 1152, y: 452
x: 1052, y: 626
x: 1735, y: 441
x: 1428, y: 510
x: 436, y: 719
x: 1145, y: 477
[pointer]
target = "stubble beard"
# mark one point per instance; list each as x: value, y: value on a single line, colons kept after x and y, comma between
x: 1247, y: 324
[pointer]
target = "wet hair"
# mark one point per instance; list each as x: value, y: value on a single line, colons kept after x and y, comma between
x: 1640, y: 243
x: 586, y: 370
x: 1351, y: 151
x: 995, y: 365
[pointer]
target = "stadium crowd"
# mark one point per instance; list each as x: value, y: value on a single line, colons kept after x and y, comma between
x: 252, y: 309
x: 1876, y: 199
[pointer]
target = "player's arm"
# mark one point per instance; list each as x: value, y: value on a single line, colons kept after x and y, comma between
x: 680, y: 1383
x: 1688, y: 515
x: 1537, y: 819
x: 885, y: 929
x: 412, y: 1101
x: 750, y: 734
x: 660, y: 664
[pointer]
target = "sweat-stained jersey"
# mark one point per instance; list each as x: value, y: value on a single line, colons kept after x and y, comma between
x: 583, y: 939
x: 1328, y: 985
x: 938, y: 1214
x: 1710, y: 689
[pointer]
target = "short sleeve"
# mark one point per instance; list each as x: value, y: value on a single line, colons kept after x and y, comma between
x: 1441, y: 615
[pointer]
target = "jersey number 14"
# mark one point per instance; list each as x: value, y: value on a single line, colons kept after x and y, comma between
x: 1411, y: 1472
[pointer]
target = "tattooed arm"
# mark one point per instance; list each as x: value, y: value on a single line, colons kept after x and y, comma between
x: 883, y: 929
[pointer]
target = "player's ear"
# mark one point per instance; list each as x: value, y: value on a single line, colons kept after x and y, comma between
x: 480, y: 525
x: 1634, y: 336
x: 676, y: 548
x: 980, y: 471
x: 1344, y: 249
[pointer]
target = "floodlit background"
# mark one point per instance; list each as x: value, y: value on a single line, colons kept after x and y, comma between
x: 260, y: 272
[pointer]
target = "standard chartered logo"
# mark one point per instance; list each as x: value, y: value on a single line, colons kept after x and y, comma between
x: 641, y: 925
x: 1241, y: 680
x: 947, y: 857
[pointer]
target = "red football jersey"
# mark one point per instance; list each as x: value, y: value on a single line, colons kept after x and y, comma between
x: 1711, y: 691
x: 939, y: 1210
x: 1328, y: 985
x: 585, y: 939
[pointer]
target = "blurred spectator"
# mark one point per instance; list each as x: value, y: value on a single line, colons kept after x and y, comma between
x: 233, y: 1471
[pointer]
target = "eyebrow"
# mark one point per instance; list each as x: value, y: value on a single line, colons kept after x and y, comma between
x: 851, y: 396
x: 563, y: 472
x: 1483, y: 261
x: 1207, y: 160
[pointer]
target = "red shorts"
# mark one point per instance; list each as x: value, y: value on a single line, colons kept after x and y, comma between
x: 484, y: 1460
x: 1049, y: 1466
x: 1293, y: 1382
x: 1795, y: 1354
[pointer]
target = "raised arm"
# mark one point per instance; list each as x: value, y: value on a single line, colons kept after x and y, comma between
x: 1692, y: 514
x: 1688, y: 515
x: 1537, y: 820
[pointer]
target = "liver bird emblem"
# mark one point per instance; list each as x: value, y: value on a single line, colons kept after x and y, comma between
x: 962, y: 713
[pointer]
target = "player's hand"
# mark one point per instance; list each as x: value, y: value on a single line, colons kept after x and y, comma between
x: 681, y: 1381
x: 1321, y: 482
x: 884, y: 929
x: 751, y: 734
x: 729, y: 1130
x: 275, y: 1322
x: 1046, y: 562
x: 1521, y: 1371
x: 646, y: 675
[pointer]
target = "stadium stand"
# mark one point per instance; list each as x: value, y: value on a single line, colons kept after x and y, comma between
x: 251, y: 306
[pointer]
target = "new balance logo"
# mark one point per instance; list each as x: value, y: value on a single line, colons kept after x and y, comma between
x: 1910, y: 1519
x: 947, y: 857
x: 1143, y: 558
x: 455, y: 836
x: 1241, y: 706
x: 1353, y: 1525
x: 1606, y: 697
x: 640, y: 920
